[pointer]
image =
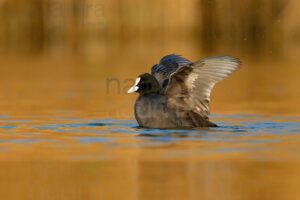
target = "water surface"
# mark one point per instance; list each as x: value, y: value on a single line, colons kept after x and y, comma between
x: 60, y: 157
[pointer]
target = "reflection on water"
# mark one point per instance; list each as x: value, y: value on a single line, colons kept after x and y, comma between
x: 253, y: 132
x: 247, y: 157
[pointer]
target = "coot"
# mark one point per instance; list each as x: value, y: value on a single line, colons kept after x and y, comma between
x: 177, y: 92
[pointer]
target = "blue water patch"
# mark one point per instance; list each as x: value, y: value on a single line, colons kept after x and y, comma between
x: 92, y: 139
x: 81, y: 131
x: 79, y: 125
x: 69, y: 125
x: 8, y: 127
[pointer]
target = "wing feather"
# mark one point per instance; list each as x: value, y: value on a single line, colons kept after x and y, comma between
x: 190, y: 86
x: 167, y: 66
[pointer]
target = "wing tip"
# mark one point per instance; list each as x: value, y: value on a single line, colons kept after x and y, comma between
x: 234, y: 59
x: 238, y: 61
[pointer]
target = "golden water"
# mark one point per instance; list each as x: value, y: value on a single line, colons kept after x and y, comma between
x: 68, y: 133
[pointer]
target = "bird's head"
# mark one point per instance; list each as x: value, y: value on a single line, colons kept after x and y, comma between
x: 145, y: 84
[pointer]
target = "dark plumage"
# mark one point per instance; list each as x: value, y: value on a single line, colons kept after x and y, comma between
x: 177, y: 92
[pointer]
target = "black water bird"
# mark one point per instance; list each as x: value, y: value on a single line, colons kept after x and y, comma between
x: 177, y: 92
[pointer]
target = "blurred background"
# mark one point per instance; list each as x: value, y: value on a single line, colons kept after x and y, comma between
x: 95, y: 29
x: 66, y: 51
x: 65, y: 67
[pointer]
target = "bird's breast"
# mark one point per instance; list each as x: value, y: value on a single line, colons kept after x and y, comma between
x: 151, y: 111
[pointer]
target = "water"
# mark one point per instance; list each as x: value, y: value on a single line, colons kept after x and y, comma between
x: 67, y: 132
x: 251, y: 134
x: 64, y: 157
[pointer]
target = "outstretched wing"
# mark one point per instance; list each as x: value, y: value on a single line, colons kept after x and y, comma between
x: 190, y: 86
x: 166, y: 66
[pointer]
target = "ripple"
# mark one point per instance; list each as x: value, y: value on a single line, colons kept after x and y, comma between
x: 255, y: 132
